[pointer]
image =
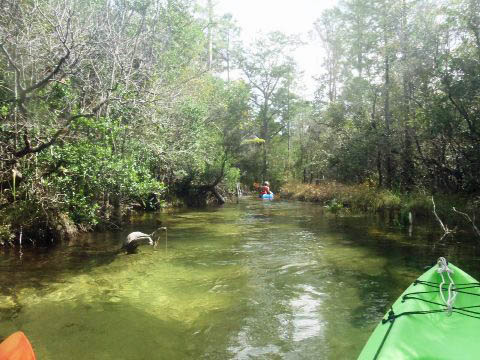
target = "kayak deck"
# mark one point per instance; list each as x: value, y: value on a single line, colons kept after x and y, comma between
x: 420, y: 327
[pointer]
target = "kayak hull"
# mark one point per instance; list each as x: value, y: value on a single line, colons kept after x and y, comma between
x: 16, y: 347
x: 434, y: 333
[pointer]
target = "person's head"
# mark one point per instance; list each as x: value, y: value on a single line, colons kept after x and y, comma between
x: 266, y: 183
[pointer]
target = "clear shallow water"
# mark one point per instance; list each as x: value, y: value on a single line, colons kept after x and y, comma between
x: 258, y: 280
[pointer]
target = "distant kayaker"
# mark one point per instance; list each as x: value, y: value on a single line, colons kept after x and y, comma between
x: 265, y: 189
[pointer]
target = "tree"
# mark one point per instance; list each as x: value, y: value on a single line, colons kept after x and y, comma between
x: 405, y: 98
x: 97, y: 85
x: 329, y: 29
x: 269, y: 69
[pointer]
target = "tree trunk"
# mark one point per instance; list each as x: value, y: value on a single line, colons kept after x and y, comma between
x: 379, y: 169
x: 264, y: 136
x: 387, y: 141
x: 217, y: 195
x: 117, y: 209
x: 408, y: 166
x: 264, y: 162
x: 210, y: 35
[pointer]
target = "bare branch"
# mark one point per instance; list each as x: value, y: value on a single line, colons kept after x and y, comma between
x: 446, y: 230
x: 472, y: 221
x: 45, y: 80
x: 12, y: 64
x: 64, y: 130
x: 464, y: 114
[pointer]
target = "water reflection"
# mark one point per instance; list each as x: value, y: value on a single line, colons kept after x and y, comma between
x: 307, y: 321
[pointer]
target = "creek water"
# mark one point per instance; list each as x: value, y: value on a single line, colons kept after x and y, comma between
x: 255, y: 280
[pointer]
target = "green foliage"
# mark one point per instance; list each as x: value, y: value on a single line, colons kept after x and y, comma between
x: 6, y: 234
x: 334, y: 207
x: 387, y: 200
x: 253, y: 141
x: 419, y: 204
x: 38, y: 216
x: 87, y: 174
x: 4, y: 110
x: 232, y: 177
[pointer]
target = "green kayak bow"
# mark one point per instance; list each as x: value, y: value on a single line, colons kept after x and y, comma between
x: 436, y: 318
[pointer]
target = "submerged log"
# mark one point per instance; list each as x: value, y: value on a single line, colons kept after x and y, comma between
x: 197, y: 195
x: 137, y: 238
x: 218, y: 196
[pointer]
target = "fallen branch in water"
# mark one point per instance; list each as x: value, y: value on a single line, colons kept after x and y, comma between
x: 446, y: 230
x: 472, y: 221
x: 136, y: 238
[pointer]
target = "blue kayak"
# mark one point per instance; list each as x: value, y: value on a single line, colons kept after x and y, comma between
x: 267, y: 196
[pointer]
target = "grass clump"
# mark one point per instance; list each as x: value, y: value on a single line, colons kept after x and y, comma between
x: 315, y: 193
x: 357, y: 198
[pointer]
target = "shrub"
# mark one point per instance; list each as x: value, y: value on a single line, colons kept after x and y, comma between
x: 6, y: 234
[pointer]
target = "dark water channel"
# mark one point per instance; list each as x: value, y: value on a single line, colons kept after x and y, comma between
x: 258, y: 280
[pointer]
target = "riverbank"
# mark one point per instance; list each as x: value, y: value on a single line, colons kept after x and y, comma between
x: 44, y: 221
x: 365, y: 198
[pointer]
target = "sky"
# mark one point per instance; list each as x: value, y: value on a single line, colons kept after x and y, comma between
x: 288, y: 16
